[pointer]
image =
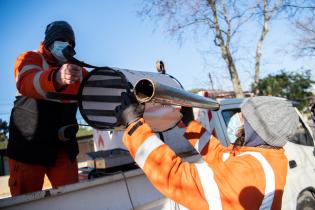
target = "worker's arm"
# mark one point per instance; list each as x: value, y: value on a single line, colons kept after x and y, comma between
x: 34, y: 81
x: 174, y: 178
x: 31, y: 79
x: 206, y: 144
x: 196, y: 186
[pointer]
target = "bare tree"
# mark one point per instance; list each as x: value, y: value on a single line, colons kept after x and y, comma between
x: 301, y: 13
x: 220, y: 20
x: 267, y: 9
x: 223, y: 39
x: 305, y: 25
x: 210, y: 81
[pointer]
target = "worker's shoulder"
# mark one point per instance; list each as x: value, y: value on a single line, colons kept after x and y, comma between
x: 30, y: 55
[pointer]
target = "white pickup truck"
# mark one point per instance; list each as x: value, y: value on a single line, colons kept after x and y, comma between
x: 131, y: 190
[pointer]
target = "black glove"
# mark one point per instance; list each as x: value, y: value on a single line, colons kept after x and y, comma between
x: 188, y: 115
x: 129, y: 110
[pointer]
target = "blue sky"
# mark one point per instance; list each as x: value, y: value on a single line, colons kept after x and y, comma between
x: 110, y: 33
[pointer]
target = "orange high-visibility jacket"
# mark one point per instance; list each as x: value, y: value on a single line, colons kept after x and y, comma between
x: 225, y: 178
x: 33, y: 73
x: 41, y: 125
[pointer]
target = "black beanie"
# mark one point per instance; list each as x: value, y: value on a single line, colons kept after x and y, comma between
x: 58, y: 30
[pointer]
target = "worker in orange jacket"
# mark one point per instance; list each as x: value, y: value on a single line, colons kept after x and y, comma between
x: 250, y: 174
x: 43, y: 130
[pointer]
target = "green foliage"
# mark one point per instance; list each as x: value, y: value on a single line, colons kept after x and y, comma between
x: 83, y: 131
x: 4, y: 130
x: 293, y: 86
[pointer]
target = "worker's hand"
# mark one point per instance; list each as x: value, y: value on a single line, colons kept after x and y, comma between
x: 188, y: 115
x: 68, y: 74
x: 129, y: 110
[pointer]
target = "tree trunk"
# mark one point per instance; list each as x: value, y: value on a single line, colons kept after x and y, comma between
x: 226, y: 54
x: 233, y: 72
x: 259, y: 44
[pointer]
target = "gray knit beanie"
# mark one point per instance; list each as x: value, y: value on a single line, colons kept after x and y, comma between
x: 58, y: 30
x: 273, y: 119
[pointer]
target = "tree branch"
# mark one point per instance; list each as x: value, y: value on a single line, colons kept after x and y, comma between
x: 299, y: 7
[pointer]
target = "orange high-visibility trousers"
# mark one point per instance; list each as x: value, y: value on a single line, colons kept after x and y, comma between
x: 26, y: 178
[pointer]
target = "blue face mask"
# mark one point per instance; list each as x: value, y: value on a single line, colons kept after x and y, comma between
x: 234, y: 125
x: 56, y: 50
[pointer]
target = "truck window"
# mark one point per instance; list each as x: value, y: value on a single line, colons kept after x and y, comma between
x: 302, y: 136
x: 228, y: 113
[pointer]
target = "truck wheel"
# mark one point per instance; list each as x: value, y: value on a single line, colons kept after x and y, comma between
x: 306, y: 200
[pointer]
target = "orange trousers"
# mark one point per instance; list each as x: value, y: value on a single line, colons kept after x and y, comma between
x: 26, y: 178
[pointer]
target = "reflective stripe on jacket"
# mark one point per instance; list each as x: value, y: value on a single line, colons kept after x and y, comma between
x: 226, y: 178
x: 38, y: 124
x: 33, y: 73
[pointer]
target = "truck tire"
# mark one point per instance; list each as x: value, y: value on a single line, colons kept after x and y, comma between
x: 306, y: 200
